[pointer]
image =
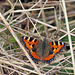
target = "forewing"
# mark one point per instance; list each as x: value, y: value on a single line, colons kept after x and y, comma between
x: 57, y: 46
x: 29, y: 42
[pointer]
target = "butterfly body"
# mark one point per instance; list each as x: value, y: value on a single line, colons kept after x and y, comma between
x: 42, y: 50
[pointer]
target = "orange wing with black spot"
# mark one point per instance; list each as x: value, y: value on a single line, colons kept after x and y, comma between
x: 47, y: 59
x: 57, y: 46
x: 29, y: 42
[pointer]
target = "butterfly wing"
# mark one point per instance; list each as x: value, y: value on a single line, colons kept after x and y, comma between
x: 57, y: 46
x: 49, y: 58
x: 29, y: 42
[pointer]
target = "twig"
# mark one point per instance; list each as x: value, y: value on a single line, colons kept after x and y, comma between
x: 68, y: 31
x: 22, y: 47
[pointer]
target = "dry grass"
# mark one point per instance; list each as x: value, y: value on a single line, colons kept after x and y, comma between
x: 48, y: 20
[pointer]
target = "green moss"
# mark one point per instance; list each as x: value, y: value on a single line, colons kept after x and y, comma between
x: 1, y: 26
x: 73, y: 38
x: 42, y: 28
x: 65, y: 39
x: 12, y: 39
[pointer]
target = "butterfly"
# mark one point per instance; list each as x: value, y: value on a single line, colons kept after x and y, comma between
x: 42, y: 50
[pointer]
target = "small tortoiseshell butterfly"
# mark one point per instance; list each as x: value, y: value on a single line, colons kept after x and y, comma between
x: 42, y: 49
